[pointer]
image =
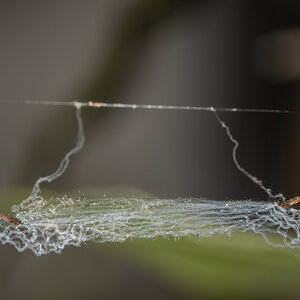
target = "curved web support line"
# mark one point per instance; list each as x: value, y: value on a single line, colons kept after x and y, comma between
x: 240, y: 168
x: 80, y: 135
x: 65, y: 161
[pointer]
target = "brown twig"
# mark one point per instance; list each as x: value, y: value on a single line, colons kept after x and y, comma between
x: 9, y: 219
x: 291, y: 202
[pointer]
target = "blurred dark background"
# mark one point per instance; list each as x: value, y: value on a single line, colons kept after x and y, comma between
x: 203, y: 53
x: 206, y: 53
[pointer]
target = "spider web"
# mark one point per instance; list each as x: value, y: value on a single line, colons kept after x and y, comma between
x: 49, y: 225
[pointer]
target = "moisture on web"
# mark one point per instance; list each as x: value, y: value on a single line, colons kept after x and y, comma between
x: 48, y: 225
x: 55, y: 223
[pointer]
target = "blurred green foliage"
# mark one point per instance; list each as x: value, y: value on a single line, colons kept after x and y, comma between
x: 242, y: 266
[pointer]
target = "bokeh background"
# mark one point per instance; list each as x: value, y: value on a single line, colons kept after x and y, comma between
x: 202, y: 53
